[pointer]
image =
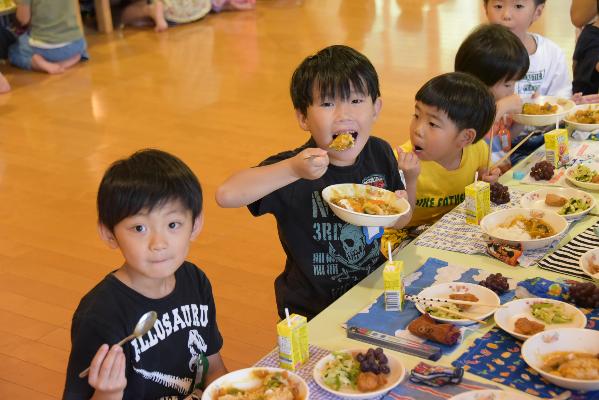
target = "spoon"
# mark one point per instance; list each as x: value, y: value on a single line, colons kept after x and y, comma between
x: 145, y: 323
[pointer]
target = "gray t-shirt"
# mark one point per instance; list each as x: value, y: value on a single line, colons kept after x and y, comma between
x: 53, y: 21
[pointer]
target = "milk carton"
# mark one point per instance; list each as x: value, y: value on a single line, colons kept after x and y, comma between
x: 556, y: 147
x: 293, y: 341
x: 477, y: 202
x: 394, y: 287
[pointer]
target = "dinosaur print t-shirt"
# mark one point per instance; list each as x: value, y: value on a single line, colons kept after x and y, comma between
x: 163, y: 363
x: 325, y: 255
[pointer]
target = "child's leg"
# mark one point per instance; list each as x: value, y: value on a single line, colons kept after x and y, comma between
x: 141, y: 10
x: 39, y: 63
x: 69, y: 62
x: 4, y: 85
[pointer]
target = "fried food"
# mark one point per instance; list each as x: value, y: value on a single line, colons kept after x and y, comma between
x: 464, y: 297
x: 555, y: 200
x: 342, y: 142
x: 539, y: 109
x: 572, y: 365
x: 527, y: 327
x: 368, y: 381
x: 587, y: 116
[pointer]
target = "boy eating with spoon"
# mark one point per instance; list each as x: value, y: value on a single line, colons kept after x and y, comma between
x: 150, y: 208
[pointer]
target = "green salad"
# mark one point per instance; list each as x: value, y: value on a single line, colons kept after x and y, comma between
x: 439, y: 313
x: 574, y: 206
x: 550, y: 313
x: 342, y: 371
x: 582, y: 173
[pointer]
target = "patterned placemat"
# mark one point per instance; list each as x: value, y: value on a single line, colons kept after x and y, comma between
x: 305, y: 371
x: 413, y: 391
x: 565, y: 260
x: 432, y: 272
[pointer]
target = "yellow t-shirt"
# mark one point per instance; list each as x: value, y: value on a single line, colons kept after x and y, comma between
x: 438, y: 190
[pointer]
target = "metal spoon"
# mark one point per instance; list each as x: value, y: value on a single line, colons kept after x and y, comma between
x: 145, y: 323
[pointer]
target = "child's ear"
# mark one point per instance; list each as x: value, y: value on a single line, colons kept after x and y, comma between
x: 302, y: 119
x: 538, y: 12
x: 198, y: 224
x: 107, y: 236
x: 378, y: 105
x: 466, y: 137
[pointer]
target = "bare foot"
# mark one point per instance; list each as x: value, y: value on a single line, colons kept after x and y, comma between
x: 157, y: 14
x: 39, y: 63
x: 68, y: 63
x: 4, y: 85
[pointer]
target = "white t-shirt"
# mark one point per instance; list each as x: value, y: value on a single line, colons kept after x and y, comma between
x: 548, y: 71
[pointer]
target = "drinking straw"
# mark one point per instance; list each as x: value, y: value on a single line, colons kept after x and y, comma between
x: 389, y: 249
x: 287, y: 317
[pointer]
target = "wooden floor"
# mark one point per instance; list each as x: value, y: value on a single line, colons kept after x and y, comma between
x: 214, y: 93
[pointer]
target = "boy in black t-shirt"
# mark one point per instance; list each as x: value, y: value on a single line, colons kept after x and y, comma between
x: 334, y: 92
x: 150, y: 208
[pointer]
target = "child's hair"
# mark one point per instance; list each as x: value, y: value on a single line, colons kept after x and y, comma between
x: 146, y: 179
x: 537, y: 2
x: 493, y: 54
x: 333, y: 71
x: 464, y: 98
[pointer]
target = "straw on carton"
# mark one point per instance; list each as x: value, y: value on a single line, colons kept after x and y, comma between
x: 389, y: 249
x: 287, y: 317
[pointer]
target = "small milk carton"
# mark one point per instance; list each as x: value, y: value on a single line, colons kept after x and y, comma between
x: 293, y: 342
x: 477, y: 202
x: 556, y: 147
x: 394, y: 287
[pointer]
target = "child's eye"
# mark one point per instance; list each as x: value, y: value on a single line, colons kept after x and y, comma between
x: 174, y: 225
x: 433, y: 125
x: 326, y: 104
x: 415, y: 116
x: 519, y: 5
x: 357, y: 101
x: 139, y: 228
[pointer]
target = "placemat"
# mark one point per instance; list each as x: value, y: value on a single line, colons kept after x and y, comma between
x: 413, y: 391
x: 433, y: 271
x: 565, y: 260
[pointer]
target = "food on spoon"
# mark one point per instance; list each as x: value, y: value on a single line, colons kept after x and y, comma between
x: 573, y: 206
x: 499, y: 193
x: 582, y: 173
x: 555, y: 200
x: 573, y: 365
x: 550, y: 313
x: 525, y: 326
x: 426, y: 327
x: 342, y: 141
x: 464, y: 297
x: 584, y: 294
x: 543, y: 170
x: 496, y: 282
x: 539, y: 109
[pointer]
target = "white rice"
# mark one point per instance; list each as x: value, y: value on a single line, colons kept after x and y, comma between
x: 513, y: 233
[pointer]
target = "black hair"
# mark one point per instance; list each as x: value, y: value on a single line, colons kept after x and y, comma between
x: 493, y: 54
x: 537, y: 2
x: 146, y: 179
x: 333, y: 71
x: 468, y: 103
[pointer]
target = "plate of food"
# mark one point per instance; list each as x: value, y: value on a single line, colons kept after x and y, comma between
x: 365, y: 205
x: 589, y: 263
x: 358, y: 373
x: 523, y: 318
x: 490, y: 395
x: 258, y: 383
x: 585, y: 117
x: 533, y: 228
x: 566, y: 357
x: 584, y: 175
x: 543, y: 110
x: 569, y: 202
x: 463, y: 291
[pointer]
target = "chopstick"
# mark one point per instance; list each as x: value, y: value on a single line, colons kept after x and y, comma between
x: 490, y: 150
x: 457, y: 314
x: 453, y: 301
x: 505, y: 157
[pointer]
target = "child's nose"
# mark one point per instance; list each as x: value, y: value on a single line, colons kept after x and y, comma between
x: 506, y: 14
x: 343, y: 110
x: 157, y: 242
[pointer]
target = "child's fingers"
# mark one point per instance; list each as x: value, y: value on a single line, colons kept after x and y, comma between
x: 108, y: 364
x: 117, y: 374
x: 94, y: 368
x: 402, y: 194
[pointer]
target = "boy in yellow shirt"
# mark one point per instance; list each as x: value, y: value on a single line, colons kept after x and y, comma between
x: 453, y: 112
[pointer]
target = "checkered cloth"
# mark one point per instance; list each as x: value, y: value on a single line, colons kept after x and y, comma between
x: 305, y: 371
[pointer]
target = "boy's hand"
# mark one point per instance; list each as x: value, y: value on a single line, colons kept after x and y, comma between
x: 489, y: 176
x: 107, y: 372
x: 578, y: 98
x: 401, y: 194
x: 310, y: 164
x: 511, y: 104
x: 409, y: 163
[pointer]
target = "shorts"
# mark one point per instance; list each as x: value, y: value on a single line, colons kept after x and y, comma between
x: 20, y: 53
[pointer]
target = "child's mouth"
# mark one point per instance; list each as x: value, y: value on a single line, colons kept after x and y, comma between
x: 353, y: 133
x: 417, y: 149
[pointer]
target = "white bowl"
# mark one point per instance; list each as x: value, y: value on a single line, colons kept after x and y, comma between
x: 584, y: 185
x: 536, y: 199
x: 493, y: 220
x: 580, y: 126
x: 490, y: 395
x: 585, y: 261
x: 564, y: 106
x: 443, y: 290
x: 506, y: 317
x: 360, y: 219
x: 244, y: 379
x: 563, y: 339
x: 393, y: 378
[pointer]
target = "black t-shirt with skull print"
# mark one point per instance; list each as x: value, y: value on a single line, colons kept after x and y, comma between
x: 325, y: 256
x: 160, y: 364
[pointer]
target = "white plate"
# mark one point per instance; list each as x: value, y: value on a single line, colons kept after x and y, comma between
x: 489, y: 395
x: 443, y: 290
x: 577, y: 125
x: 563, y: 339
x: 585, y: 185
x: 393, y: 378
x: 506, y: 317
x: 586, y: 259
x: 244, y: 379
x: 564, y: 106
x: 493, y: 220
x: 360, y: 219
x: 536, y: 200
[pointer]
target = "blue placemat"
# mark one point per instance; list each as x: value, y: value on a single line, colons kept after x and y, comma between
x: 432, y: 272
x: 413, y: 391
